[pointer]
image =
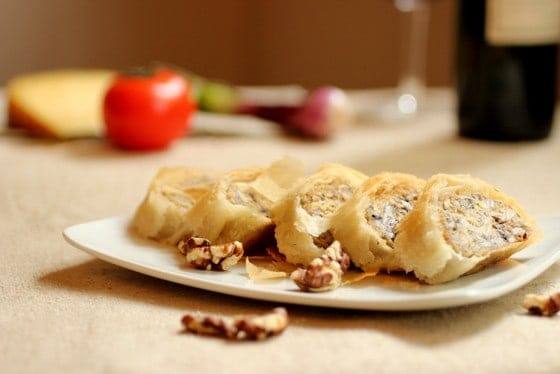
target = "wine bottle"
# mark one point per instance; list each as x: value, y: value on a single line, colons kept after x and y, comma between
x: 506, y: 68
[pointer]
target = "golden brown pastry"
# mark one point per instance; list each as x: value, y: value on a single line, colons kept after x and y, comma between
x: 460, y: 225
x: 303, y: 217
x: 171, y: 194
x: 365, y: 224
x: 237, y: 207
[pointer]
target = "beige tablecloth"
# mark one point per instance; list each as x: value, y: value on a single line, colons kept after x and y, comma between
x: 62, y: 310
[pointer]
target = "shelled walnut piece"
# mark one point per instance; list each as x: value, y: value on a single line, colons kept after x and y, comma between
x: 201, y: 254
x: 242, y: 327
x: 542, y: 305
x: 325, y: 272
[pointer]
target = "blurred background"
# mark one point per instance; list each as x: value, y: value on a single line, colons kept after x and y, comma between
x: 352, y: 44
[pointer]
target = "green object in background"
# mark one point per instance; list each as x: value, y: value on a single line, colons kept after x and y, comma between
x: 217, y: 97
x: 211, y: 95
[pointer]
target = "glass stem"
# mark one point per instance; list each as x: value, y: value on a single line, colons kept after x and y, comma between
x: 414, y: 43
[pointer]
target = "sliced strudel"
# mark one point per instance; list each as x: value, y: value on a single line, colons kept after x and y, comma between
x: 237, y: 207
x: 365, y: 225
x: 303, y: 216
x: 171, y: 194
x: 460, y: 225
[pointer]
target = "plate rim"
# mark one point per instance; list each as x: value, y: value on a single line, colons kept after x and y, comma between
x: 292, y: 296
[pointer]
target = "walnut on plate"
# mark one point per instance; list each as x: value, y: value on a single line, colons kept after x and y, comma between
x: 201, y: 254
x: 324, y: 273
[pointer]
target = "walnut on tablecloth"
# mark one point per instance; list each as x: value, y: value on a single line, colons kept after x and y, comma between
x: 241, y: 327
x: 542, y: 305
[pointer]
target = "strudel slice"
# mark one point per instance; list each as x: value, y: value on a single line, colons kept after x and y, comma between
x: 237, y: 207
x: 171, y: 194
x: 303, y: 216
x: 365, y: 224
x: 460, y: 225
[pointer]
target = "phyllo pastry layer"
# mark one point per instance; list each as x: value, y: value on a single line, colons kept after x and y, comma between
x: 237, y: 207
x: 460, y: 225
x: 365, y: 225
x: 171, y: 194
x: 303, y: 217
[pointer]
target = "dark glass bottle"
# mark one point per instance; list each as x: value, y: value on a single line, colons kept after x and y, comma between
x: 506, y: 91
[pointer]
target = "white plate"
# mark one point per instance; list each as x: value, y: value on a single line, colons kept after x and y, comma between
x: 109, y: 239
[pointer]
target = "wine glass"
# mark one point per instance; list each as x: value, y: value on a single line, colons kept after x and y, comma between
x: 409, y: 96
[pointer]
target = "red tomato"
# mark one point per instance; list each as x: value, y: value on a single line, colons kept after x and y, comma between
x: 147, y: 110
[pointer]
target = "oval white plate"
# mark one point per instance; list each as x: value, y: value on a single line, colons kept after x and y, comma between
x: 109, y: 240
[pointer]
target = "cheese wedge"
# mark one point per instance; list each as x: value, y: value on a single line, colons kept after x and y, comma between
x: 60, y: 104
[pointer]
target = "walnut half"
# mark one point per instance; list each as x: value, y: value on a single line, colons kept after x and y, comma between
x: 323, y: 273
x: 242, y: 327
x: 201, y: 254
x: 542, y: 305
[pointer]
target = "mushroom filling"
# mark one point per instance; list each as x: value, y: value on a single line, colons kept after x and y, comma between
x: 385, y: 213
x: 324, y: 240
x: 243, y: 194
x: 325, y: 199
x: 476, y: 223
